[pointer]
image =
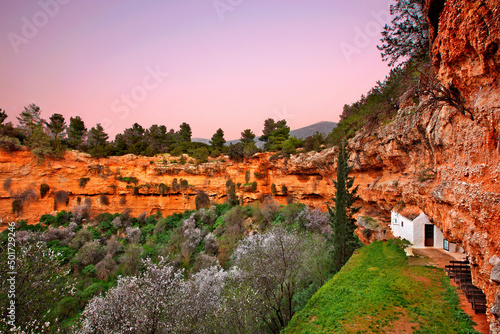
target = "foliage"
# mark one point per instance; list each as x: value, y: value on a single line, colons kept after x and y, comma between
x: 185, y: 133
x: 407, y: 36
x: 82, y: 182
x: 341, y: 216
x: 201, y: 200
x: 30, y: 119
x: 40, y: 283
x: 77, y: 132
x: 97, y: 141
x: 218, y: 140
x: 57, y: 126
x: 376, y: 291
x: 44, y: 189
x: 274, y: 134
x: 104, y: 199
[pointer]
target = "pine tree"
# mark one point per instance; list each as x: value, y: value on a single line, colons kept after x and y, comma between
x: 185, y: 132
x: 76, y: 132
x: 57, y: 125
x: 341, y: 217
x: 407, y: 36
x: 218, y: 140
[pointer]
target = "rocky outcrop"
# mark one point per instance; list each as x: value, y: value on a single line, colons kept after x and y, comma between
x: 439, y: 160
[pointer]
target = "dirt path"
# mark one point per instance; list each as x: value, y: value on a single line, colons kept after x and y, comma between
x: 438, y: 258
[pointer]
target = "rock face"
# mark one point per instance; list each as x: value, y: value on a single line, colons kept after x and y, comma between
x: 439, y: 160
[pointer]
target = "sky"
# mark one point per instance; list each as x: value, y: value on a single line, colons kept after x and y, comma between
x: 227, y: 64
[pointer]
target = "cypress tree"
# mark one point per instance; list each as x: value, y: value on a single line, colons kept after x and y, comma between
x: 341, y: 216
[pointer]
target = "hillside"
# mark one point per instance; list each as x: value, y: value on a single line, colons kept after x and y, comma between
x: 324, y: 128
x: 376, y: 291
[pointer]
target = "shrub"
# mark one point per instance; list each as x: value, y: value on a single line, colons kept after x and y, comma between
x: 253, y: 186
x: 163, y: 188
x: 83, y: 182
x: 44, y: 189
x: 202, y: 200
x: 90, y: 253
x: 9, y: 143
x: 247, y: 176
x: 7, y: 183
x: 129, y: 180
x: 184, y: 184
x: 17, y: 206
x: 273, y: 189
x: 103, y: 199
x: 136, y: 191
x: 175, y: 185
x: 284, y: 190
x: 61, y: 196
x: 259, y: 175
x: 89, y: 270
x: 106, y: 268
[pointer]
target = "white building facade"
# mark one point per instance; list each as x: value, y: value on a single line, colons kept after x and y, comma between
x: 420, y: 232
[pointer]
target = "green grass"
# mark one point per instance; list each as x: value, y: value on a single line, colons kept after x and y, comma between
x: 377, y: 292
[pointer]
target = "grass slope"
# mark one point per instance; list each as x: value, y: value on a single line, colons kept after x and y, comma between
x: 377, y: 292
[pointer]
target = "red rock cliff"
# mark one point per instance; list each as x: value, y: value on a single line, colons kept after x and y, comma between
x: 439, y: 160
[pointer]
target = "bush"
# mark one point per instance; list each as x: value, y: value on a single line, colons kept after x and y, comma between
x: 259, y: 175
x: 202, y: 200
x: 7, y: 183
x: 17, y: 206
x: 273, y: 189
x: 61, y: 196
x: 163, y: 188
x: 104, y: 200
x: 129, y: 180
x: 247, y: 176
x: 123, y: 200
x: 83, y: 182
x: 89, y: 270
x: 44, y: 189
x: 9, y: 144
x: 184, y: 184
x: 284, y: 190
x: 253, y: 186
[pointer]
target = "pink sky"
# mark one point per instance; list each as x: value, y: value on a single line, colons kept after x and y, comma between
x: 230, y: 63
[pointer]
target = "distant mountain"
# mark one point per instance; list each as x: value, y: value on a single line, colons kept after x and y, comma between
x: 324, y: 127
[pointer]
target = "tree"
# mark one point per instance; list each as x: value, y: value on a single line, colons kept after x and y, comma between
x: 29, y: 119
x: 248, y: 141
x: 185, y: 132
x: 40, y: 284
x: 274, y: 134
x: 97, y: 141
x: 341, y: 216
x: 131, y: 141
x: 247, y: 137
x: 57, y: 125
x: 407, y: 36
x: 147, y: 303
x: 218, y: 140
x: 76, y: 132
x: 3, y: 116
x: 273, y: 266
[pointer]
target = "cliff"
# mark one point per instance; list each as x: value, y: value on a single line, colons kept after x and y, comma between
x: 444, y: 162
